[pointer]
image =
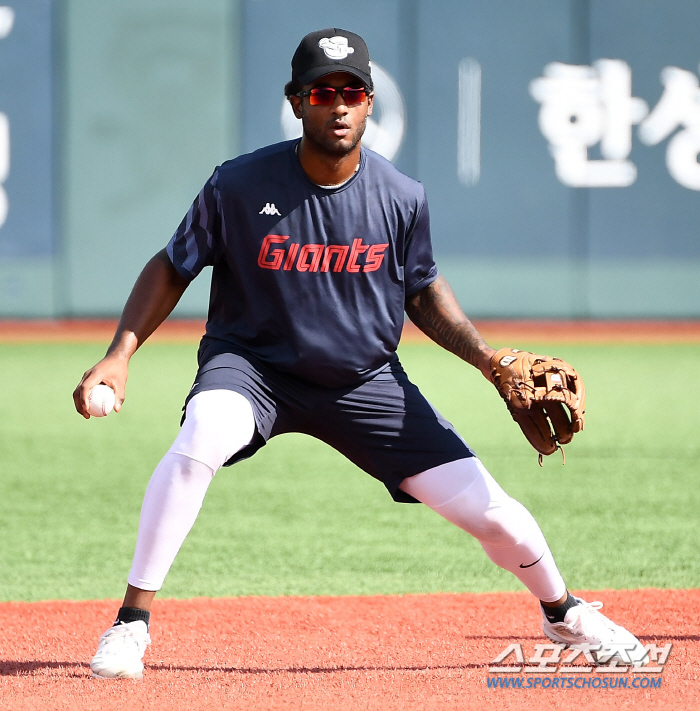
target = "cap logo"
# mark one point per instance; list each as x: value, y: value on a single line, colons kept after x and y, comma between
x: 335, y: 47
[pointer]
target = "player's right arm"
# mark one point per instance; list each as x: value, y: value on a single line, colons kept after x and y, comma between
x: 155, y: 294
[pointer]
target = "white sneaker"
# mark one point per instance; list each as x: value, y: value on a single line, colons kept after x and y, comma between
x: 584, y: 625
x: 120, y: 651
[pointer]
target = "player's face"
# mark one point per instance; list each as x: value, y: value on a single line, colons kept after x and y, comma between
x: 336, y: 128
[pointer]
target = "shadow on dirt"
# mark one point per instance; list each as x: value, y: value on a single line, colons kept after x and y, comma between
x: 13, y: 668
x: 311, y: 670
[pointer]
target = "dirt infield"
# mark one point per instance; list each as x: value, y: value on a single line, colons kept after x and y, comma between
x: 174, y: 330
x: 393, y: 652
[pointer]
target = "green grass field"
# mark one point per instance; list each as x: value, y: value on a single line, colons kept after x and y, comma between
x: 300, y: 519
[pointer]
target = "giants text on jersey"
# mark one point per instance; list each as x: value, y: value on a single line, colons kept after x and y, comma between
x: 313, y: 256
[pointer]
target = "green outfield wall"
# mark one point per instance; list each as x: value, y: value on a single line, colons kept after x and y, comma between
x: 558, y: 141
x: 149, y: 110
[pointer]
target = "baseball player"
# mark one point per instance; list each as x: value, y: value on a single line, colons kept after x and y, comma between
x: 318, y: 246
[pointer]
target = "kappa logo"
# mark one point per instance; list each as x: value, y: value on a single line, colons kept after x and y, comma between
x: 335, y: 47
x: 269, y: 209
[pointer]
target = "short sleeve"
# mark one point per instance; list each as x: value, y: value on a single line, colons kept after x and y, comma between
x: 194, y: 244
x: 419, y: 266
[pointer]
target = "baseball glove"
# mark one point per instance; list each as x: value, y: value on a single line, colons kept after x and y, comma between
x: 544, y: 395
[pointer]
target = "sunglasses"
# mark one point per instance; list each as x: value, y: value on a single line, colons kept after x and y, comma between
x: 325, y: 95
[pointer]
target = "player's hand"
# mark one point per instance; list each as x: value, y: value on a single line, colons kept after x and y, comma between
x: 112, y: 370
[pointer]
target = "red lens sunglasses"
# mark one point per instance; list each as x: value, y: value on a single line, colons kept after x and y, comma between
x: 325, y: 95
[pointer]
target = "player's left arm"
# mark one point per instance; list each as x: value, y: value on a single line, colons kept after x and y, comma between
x: 549, y: 412
x: 436, y: 311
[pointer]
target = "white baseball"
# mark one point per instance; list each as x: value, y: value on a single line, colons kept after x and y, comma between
x: 102, y: 401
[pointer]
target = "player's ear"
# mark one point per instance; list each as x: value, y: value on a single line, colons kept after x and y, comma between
x: 295, y: 101
x: 370, y: 103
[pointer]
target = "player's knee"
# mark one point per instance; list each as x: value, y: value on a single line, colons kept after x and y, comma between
x: 218, y: 423
x: 496, y: 522
x: 505, y: 524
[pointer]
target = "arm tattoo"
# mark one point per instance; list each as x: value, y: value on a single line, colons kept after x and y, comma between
x: 436, y: 311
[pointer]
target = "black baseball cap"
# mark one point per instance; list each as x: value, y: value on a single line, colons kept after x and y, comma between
x: 331, y: 50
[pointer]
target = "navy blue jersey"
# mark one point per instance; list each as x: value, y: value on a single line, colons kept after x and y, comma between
x: 310, y: 280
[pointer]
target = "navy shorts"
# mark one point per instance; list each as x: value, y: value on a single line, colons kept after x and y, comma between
x: 385, y: 426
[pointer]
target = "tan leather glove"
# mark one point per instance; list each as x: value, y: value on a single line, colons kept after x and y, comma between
x: 544, y: 395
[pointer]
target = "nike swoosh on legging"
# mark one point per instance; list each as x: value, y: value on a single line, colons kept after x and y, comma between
x: 529, y: 565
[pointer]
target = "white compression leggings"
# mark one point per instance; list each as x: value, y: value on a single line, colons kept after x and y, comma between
x: 465, y: 494
x: 220, y: 423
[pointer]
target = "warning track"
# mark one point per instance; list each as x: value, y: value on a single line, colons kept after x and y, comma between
x: 175, y: 330
x: 390, y: 652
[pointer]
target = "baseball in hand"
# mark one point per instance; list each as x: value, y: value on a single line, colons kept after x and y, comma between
x: 102, y: 401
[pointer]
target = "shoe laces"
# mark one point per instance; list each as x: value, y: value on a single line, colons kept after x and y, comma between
x: 587, y: 618
x: 122, y: 633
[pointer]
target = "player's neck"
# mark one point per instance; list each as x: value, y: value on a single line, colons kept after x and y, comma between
x: 325, y: 168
